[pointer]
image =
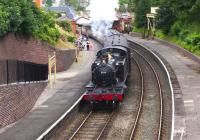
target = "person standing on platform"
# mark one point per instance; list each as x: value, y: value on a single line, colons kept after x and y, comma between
x: 88, y: 45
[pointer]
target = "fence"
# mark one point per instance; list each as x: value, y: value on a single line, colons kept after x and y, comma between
x: 12, y: 71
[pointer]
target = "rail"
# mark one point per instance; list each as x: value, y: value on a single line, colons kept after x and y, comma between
x: 141, y: 100
x: 160, y: 97
x: 100, y: 127
x: 169, y: 80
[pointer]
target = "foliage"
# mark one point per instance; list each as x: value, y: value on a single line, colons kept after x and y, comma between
x: 165, y: 22
x: 193, y: 39
x: 4, y: 20
x: 142, y: 9
x: 131, y: 5
x: 76, y: 4
x: 23, y: 17
x: 66, y: 25
x: 46, y: 29
x: 177, y: 21
x: 71, y: 39
x: 49, y: 2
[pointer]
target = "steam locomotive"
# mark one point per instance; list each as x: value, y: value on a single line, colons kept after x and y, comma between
x: 110, y: 71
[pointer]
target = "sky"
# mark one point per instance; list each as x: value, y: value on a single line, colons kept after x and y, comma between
x: 103, y: 9
x: 102, y: 15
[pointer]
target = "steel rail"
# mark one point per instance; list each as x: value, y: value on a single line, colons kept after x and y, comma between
x: 160, y: 93
x: 141, y: 100
x: 83, y: 123
x: 108, y: 120
x: 74, y: 134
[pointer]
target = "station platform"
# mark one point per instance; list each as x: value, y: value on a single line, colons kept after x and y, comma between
x: 54, y: 101
x: 187, y: 104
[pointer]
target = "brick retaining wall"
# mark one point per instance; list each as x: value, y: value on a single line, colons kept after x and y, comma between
x: 17, y: 100
x: 12, y: 47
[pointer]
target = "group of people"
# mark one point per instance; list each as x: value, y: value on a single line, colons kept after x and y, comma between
x: 83, y: 43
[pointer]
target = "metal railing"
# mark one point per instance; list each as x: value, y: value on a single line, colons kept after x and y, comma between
x: 15, y: 71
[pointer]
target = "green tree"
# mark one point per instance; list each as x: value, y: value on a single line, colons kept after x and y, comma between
x: 49, y: 2
x: 14, y: 12
x: 4, y: 20
x: 166, y: 18
x: 194, y: 11
x: 142, y: 8
x: 28, y: 20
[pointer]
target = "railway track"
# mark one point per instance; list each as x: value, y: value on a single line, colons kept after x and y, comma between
x: 151, y: 87
x: 93, y: 125
x: 144, y: 114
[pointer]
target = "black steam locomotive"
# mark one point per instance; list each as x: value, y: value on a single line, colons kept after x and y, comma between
x: 110, y: 71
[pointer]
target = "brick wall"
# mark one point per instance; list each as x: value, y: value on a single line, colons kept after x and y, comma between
x: 17, y: 100
x: 12, y: 47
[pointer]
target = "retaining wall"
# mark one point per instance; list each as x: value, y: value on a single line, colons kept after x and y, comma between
x: 31, y: 50
x: 18, y: 99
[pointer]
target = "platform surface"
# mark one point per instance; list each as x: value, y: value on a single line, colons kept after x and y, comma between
x: 187, y: 105
x: 54, y: 101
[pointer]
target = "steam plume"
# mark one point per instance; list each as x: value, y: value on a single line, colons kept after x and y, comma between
x: 102, y: 14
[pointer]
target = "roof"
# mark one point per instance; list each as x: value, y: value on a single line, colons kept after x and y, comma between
x: 70, y: 13
x: 124, y: 16
x: 82, y: 21
x: 115, y: 47
x: 112, y: 32
x: 116, y: 40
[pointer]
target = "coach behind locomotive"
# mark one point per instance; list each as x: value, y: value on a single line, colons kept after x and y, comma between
x: 109, y: 71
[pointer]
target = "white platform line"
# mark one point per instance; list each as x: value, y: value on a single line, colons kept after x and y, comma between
x: 171, y: 87
x: 60, y: 119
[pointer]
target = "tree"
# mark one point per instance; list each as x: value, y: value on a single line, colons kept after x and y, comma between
x: 166, y: 18
x: 14, y: 12
x: 28, y: 20
x: 49, y: 2
x: 4, y: 20
x: 194, y: 11
x: 142, y: 9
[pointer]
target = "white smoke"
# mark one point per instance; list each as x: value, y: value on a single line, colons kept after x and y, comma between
x: 102, y: 15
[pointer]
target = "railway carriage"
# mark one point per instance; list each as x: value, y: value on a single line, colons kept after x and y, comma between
x: 110, y: 71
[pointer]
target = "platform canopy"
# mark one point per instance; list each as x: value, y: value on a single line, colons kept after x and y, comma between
x: 83, y: 21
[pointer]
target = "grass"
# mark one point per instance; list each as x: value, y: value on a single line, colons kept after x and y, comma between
x: 63, y: 43
x: 173, y: 39
x: 179, y: 42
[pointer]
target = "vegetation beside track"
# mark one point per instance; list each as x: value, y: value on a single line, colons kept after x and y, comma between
x: 25, y: 19
x: 177, y: 21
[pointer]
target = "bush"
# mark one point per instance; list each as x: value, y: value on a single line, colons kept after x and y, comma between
x: 183, y: 34
x: 25, y: 18
x: 193, y: 39
x: 71, y: 39
x: 176, y: 29
x: 4, y: 21
x: 66, y: 25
